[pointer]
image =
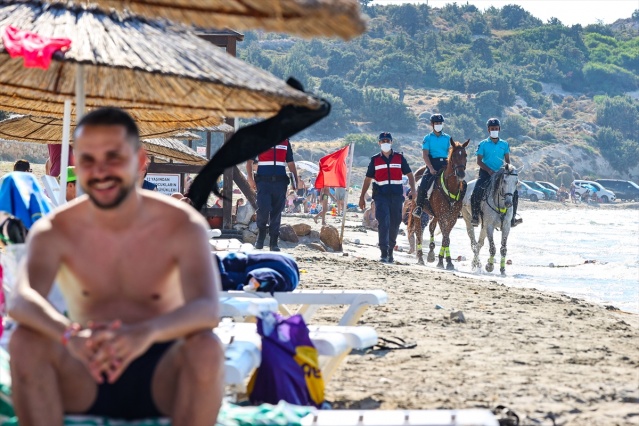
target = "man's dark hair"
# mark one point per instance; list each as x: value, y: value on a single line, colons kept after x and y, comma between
x: 110, y: 116
x: 21, y: 166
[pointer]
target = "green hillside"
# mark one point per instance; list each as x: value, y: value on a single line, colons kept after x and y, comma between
x: 574, y: 88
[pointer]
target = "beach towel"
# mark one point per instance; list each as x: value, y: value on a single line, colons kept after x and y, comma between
x: 230, y: 415
x: 22, y: 196
x: 289, y: 370
x: 36, y: 50
x: 274, y: 271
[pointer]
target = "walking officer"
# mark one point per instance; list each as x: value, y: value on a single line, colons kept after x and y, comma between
x: 385, y: 171
x: 271, y: 182
x: 492, y: 153
x: 435, y: 152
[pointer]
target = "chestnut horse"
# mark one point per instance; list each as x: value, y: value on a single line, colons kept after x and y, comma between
x: 446, y: 200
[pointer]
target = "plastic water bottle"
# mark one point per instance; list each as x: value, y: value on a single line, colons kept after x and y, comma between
x: 252, y: 285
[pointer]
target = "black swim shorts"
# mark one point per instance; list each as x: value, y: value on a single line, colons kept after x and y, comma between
x: 130, y: 397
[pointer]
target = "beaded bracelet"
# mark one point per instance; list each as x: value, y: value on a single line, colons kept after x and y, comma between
x: 72, y: 330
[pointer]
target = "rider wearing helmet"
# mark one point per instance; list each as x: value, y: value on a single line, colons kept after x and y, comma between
x: 492, y: 153
x: 435, y: 152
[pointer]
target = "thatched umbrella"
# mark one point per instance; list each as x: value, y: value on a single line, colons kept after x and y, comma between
x: 306, y: 18
x: 172, y: 149
x: 158, y: 73
x: 46, y: 130
x: 147, y: 68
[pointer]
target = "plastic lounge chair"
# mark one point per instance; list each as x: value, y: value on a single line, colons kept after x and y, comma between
x: 311, y: 300
x: 52, y: 189
x: 333, y: 343
x: 472, y: 417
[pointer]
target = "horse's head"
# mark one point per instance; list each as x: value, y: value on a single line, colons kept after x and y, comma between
x: 457, y: 158
x: 507, y: 183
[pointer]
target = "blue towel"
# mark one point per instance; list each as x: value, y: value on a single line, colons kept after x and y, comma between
x: 274, y: 271
x: 22, y: 196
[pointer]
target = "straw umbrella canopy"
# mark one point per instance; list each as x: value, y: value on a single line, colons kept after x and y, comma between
x: 151, y: 69
x: 306, y: 18
x: 46, y: 130
x: 172, y: 149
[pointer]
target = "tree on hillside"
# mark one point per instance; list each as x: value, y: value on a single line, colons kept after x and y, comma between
x: 619, y: 113
x: 384, y: 111
x: 514, y: 16
x: 396, y: 70
x: 621, y: 153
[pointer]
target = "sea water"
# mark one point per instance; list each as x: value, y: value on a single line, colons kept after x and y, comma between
x: 587, y: 253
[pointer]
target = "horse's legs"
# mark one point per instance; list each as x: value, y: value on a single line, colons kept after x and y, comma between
x: 446, y: 246
x: 431, y: 246
x: 504, y: 238
x: 470, y: 230
x: 491, y: 243
x: 417, y: 224
x: 480, y: 244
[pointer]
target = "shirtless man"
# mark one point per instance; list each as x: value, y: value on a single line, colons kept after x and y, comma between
x: 141, y: 291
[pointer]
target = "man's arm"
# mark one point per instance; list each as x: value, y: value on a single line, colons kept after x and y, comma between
x: 482, y: 166
x: 507, y: 158
x: 28, y: 304
x: 249, y: 174
x: 426, y: 155
x: 362, y: 197
x: 200, y: 281
x: 293, y: 169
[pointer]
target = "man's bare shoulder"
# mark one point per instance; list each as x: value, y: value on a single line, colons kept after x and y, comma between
x: 57, y: 223
x: 174, y: 213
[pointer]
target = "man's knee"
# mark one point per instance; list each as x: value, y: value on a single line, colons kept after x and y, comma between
x: 28, y: 347
x: 204, y: 352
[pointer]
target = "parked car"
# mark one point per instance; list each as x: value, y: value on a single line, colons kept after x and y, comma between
x: 548, y: 185
x: 623, y: 189
x: 581, y: 186
x: 526, y: 191
x: 549, y: 194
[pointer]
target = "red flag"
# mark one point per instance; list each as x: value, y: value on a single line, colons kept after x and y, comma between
x: 333, y: 170
x: 36, y: 50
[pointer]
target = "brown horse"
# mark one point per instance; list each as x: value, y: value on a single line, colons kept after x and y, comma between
x: 446, y: 203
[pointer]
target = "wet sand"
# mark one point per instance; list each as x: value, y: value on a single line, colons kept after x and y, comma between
x: 547, y: 356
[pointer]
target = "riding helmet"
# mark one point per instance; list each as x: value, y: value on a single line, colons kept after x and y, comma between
x: 493, y: 122
x: 436, y: 118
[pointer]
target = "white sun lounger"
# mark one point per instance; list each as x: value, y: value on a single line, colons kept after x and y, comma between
x: 473, y: 417
x: 52, y: 189
x: 333, y: 343
x: 311, y: 300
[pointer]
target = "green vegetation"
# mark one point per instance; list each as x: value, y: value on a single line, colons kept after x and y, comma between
x: 501, y: 62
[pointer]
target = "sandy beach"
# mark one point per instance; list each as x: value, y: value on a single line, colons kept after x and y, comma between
x: 551, y: 358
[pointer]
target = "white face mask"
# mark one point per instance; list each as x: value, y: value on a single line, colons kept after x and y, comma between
x: 386, y: 147
x: 494, y: 134
x: 438, y: 127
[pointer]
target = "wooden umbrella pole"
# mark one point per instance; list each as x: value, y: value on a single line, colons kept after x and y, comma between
x: 80, y: 102
x: 348, y: 184
x: 80, y: 94
x: 64, y: 160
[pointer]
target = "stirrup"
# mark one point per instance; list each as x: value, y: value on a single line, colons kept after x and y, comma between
x: 417, y: 212
x: 474, y: 221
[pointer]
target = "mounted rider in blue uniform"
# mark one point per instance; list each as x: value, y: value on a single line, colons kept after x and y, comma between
x: 435, y: 153
x: 492, y: 153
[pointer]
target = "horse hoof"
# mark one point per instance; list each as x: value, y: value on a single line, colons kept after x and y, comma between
x: 440, y: 265
x: 490, y: 267
x: 420, y: 261
x: 431, y: 257
x: 450, y: 267
x: 503, y: 272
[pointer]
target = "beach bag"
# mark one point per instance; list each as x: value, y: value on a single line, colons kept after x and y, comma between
x: 290, y: 364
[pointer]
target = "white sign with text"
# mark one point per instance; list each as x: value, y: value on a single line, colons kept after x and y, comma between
x: 168, y: 183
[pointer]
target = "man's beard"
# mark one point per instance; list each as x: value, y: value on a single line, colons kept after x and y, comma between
x: 124, y: 191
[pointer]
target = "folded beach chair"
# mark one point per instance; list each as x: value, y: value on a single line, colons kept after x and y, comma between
x: 473, y: 417
x: 311, y: 300
x: 52, y: 189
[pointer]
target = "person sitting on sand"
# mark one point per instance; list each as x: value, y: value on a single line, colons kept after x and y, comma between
x: 368, y: 220
x: 135, y: 271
